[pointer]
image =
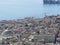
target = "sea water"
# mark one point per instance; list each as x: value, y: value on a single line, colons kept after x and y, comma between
x: 15, y: 9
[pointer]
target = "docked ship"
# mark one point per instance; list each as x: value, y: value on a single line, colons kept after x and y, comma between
x: 51, y: 1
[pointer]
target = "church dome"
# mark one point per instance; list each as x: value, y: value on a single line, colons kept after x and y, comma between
x: 7, y: 33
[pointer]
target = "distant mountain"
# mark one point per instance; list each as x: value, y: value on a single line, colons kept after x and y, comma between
x: 51, y: 1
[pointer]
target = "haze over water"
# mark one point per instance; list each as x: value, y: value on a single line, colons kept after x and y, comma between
x: 13, y: 9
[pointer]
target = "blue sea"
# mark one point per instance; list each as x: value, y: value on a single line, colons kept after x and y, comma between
x: 15, y: 9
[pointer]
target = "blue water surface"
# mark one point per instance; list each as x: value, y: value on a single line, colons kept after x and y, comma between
x: 14, y: 9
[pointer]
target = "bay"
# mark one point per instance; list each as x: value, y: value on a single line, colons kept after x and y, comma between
x: 14, y: 9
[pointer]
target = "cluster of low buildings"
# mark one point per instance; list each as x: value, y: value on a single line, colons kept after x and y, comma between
x: 34, y: 31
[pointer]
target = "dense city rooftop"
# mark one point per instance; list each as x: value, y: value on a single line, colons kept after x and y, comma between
x: 33, y: 31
